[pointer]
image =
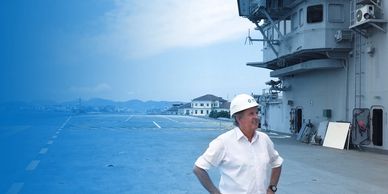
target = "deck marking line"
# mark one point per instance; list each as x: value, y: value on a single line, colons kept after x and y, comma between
x: 157, y: 124
x: 43, y: 150
x: 65, y: 123
x: 50, y: 142
x: 130, y: 117
x: 171, y: 119
x: 55, y: 136
x: 15, y: 188
x: 33, y: 164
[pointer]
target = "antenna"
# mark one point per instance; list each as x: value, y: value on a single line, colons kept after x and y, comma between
x: 248, y: 38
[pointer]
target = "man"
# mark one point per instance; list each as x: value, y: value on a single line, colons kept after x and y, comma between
x: 246, y: 158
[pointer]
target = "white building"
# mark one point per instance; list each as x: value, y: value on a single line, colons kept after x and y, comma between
x: 202, y: 106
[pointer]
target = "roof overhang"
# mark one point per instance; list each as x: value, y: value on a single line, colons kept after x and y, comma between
x: 301, y: 57
x: 320, y: 64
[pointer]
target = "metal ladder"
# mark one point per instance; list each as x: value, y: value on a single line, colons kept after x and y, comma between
x: 359, y: 67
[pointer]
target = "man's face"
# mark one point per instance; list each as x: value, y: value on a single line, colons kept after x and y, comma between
x: 248, y: 119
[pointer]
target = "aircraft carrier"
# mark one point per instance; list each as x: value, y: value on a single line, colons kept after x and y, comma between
x: 328, y: 64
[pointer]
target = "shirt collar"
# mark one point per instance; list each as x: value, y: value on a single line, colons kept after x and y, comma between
x: 240, y: 135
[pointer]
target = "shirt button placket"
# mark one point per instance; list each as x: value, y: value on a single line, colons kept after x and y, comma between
x: 254, y: 163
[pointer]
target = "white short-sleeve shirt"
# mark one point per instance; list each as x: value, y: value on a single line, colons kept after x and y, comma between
x: 245, y: 166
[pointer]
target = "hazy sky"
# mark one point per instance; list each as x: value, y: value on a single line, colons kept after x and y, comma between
x: 125, y: 49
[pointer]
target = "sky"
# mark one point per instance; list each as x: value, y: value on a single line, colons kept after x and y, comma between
x: 124, y: 49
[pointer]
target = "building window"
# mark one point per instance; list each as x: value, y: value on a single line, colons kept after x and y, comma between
x: 287, y: 25
x: 315, y: 14
x: 294, y: 21
x: 207, y: 104
x: 301, y: 17
x: 281, y: 27
x: 195, y: 111
x: 270, y: 33
x: 201, y: 112
x: 336, y: 13
x: 201, y: 104
x: 207, y: 111
x: 275, y: 32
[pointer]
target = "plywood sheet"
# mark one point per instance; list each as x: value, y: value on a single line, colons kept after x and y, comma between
x: 301, y: 132
x: 322, y: 128
x: 336, y: 135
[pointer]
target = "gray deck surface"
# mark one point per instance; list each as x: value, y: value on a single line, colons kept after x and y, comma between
x: 59, y: 153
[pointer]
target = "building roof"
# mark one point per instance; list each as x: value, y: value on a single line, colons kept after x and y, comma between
x: 225, y: 105
x: 209, y: 97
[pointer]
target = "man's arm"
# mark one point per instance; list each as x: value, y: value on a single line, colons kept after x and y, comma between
x: 275, y: 175
x: 205, y: 180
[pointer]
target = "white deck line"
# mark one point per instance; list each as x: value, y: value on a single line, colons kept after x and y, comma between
x: 65, y: 123
x: 15, y: 188
x: 43, y: 150
x: 130, y: 117
x: 33, y: 164
x: 170, y: 119
x: 157, y: 124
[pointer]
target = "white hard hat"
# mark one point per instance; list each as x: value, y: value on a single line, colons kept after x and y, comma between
x: 242, y: 102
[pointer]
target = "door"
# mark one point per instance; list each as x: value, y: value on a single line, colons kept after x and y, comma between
x: 361, y: 126
x: 377, y: 126
x: 298, y: 119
